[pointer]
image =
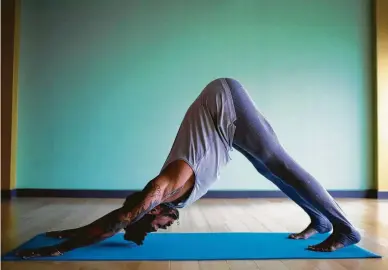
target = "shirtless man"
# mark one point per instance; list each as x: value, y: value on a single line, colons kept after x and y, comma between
x: 222, y: 117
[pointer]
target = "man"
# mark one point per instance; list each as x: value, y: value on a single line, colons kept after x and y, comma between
x: 222, y: 117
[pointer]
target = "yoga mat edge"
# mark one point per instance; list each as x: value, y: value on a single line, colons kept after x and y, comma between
x: 190, y: 246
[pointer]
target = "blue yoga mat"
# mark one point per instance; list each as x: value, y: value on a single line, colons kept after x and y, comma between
x: 198, y: 246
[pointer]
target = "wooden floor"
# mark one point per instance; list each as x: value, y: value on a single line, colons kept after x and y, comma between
x: 23, y: 218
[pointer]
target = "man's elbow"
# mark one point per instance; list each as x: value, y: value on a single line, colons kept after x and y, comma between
x: 156, y: 189
x: 153, y: 193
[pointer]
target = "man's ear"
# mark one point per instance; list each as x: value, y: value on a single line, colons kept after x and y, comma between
x: 156, y: 211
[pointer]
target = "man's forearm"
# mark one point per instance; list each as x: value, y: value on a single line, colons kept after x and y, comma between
x: 110, y: 224
x: 81, y: 241
x: 133, y: 210
x: 151, y: 196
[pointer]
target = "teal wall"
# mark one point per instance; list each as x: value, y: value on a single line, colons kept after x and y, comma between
x: 105, y: 84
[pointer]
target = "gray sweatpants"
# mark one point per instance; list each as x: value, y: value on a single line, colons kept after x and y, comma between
x: 257, y: 141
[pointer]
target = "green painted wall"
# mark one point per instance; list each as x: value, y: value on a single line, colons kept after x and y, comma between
x: 105, y: 84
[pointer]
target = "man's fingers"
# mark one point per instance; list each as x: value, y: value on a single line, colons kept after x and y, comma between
x: 45, y: 252
x: 25, y: 254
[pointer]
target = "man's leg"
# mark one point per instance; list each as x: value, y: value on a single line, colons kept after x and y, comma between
x: 319, y: 223
x: 262, y: 134
x: 256, y: 136
x: 285, y: 168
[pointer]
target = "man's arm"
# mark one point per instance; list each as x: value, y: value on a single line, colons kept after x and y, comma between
x: 65, y: 246
x: 154, y: 193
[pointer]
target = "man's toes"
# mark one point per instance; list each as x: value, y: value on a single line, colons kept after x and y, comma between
x: 56, y: 253
x: 296, y: 236
x: 25, y: 254
x: 291, y: 236
x: 322, y: 248
x: 314, y: 248
x: 327, y: 249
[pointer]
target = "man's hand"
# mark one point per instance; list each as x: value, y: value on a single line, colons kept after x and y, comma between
x: 138, y: 239
x: 39, y: 252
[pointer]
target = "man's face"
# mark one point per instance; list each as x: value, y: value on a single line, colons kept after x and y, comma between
x: 161, y: 222
x: 154, y: 220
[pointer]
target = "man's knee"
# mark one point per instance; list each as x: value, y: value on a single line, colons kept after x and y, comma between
x: 274, y: 164
x: 279, y: 168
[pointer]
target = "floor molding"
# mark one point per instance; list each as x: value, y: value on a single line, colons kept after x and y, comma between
x: 373, y: 194
x: 8, y: 194
x: 382, y: 195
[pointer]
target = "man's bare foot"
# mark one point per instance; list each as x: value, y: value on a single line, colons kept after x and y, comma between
x: 310, y: 231
x: 39, y: 252
x: 326, y: 246
x: 305, y: 234
x: 336, y: 241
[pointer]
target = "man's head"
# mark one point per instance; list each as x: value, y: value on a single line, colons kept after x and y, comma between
x: 161, y: 217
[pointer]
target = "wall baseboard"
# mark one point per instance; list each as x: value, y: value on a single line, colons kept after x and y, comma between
x: 372, y: 194
x: 382, y: 195
x: 279, y: 194
x: 8, y: 194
